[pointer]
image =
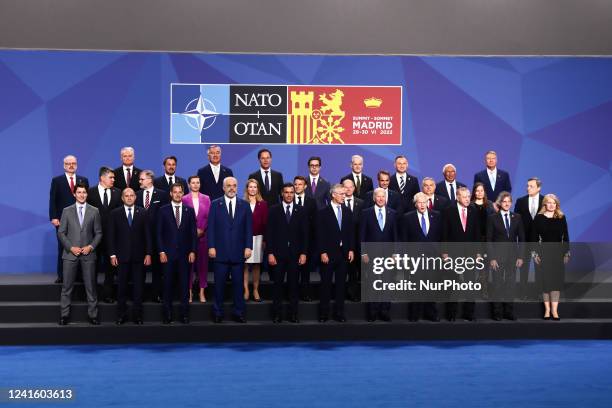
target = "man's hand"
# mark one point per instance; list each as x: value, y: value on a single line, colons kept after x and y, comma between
x: 114, y: 261
x: 537, y: 259
x: 494, y: 264
x: 76, y: 251
x: 302, y: 259
x: 247, y: 253
x: 272, y: 259
x: 365, y: 258
x: 147, y: 260
x: 200, y: 232
x: 55, y: 222
x: 191, y: 257
x: 566, y: 258
x: 351, y: 256
x: 324, y: 258
x: 163, y: 258
x: 86, y: 250
x: 212, y: 253
x: 519, y: 263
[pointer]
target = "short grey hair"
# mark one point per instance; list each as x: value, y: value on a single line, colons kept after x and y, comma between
x: 212, y: 147
x: 419, y: 195
x: 448, y: 165
x: 537, y: 181
x: 148, y: 173
x: 127, y: 149
x: 427, y: 179
x: 356, y: 156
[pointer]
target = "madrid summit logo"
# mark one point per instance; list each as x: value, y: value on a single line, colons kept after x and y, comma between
x: 281, y: 114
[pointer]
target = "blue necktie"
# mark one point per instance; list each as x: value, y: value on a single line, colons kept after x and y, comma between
x: 130, y: 217
x: 507, y: 222
x: 339, y: 209
x: 423, y: 225
x: 380, y: 219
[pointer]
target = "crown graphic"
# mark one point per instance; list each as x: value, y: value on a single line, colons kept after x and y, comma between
x: 373, y: 102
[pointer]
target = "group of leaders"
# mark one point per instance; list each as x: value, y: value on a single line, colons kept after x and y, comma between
x: 131, y: 222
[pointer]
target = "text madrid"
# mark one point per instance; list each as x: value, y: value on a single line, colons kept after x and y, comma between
x: 427, y: 285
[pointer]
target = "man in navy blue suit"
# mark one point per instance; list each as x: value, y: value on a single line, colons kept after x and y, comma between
x: 448, y: 187
x: 393, y: 199
x: 127, y: 174
x: 152, y: 199
x: 61, y: 196
x: 177, y: 246
x: 434, y: 201
x: 316, y: 186
x: 212, y: 175
x: 424, y: 226
x: 495, y: 180
x: 286, y: 245
x: 403, y: 183
x: 230, y: 242
x: 336, y: 246
x: 169, y: 177
x: 378, y: 224
x: 129, y: 246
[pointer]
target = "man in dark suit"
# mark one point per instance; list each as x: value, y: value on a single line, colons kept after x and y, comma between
x: 355, y: 205
x: 494, y: 180
x: 230, y: 242
x: 393, y: 199
x: 460, y: 224
x: 402, y: 182
x: 169, y: 177
x: 505, y: 238
x: 129, y: 245
x: 61, y: 196
x: 80, y: 232
x: 378, y: 224
x: 127, y: 174
x: 270, y: 181
x: 336, y: 245
x: 286, y: 245
x: 177, y: 243
x: 423, y: 226
x: 316, y: 186
x: 152, y: 199
x: 363, y: 184
x: 527, y: 207
x: 212, y: 175
x: 434, y: 201
x: 448, y: 187
x: 312, y: 258
x: 105, y: 197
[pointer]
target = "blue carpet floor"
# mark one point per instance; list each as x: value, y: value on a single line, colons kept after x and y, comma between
x: 434, y: 374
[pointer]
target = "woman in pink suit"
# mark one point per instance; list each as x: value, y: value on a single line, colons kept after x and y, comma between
x: 201, y: 206
x: 259, y: 208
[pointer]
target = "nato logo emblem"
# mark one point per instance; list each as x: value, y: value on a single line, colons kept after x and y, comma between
x: 199, y: 113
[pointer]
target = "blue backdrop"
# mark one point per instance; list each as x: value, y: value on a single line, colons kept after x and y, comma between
x: 548, y: 117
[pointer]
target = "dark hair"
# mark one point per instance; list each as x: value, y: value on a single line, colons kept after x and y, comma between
x: 192, y: 177
x: 401, y: 156
x: 170, y: 158
x: 80, y: 185
x: 300, y: 178
x: 537, y: 181
x: 104, y: 171
x: 288, y: 185
x: 263, y: 151
x: 485, y: 200
x: 177, y: 185
x: 315, y: 158
x: 381, y: 172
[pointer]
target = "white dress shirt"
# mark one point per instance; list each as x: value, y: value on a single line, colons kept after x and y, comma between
x: 492, y: 177
x: 101, y: 192
x: 448, y: 190
x: 125, y: 172
x: 384, y: 214
x: 533, y: 203
x: 216, y: 170
x: 233, y: 201
x: 426, y: 215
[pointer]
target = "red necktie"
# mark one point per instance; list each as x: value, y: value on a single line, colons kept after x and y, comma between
x: 129, y: 176
x: 147, y: 200
x: 430, y: 206
x: 72, y: 184
x: 463, y: 219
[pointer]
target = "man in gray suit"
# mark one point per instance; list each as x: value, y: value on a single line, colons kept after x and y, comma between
x: 80, y: 232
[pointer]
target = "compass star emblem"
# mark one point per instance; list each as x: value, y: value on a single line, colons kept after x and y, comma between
x: 200, y: 113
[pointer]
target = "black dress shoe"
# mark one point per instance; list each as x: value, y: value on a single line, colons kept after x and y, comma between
x: 340, y: 318
x: 59, y: 280
x: 64, y: 321
x: 323, y: 318
x: 167, y: 320
x: 217, y: 319
x: 497, y: 318
x: 277, y: 319
x: 138, y: 321
x: 386, y: 318
x: 239, y: 319
x: 469, y: 318
x: 109, y: 300
x: 371, y: 318
x: 293, y: 318
x: 305, y: 298
x: 433, y: 319
x: 510, y: 316
x: 451, y: 318
x: 157, y: 299
x: 185, y: 320
x: 120, y: 321
x: 94, y: 321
